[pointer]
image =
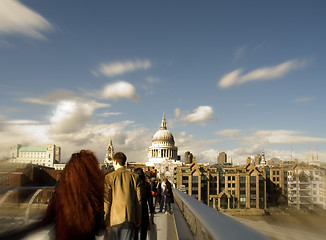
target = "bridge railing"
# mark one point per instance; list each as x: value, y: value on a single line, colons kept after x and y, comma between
x: 207, y: 223
x: 21, y: 206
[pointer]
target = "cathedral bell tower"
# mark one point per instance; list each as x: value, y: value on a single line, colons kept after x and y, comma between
x: 109, y: 154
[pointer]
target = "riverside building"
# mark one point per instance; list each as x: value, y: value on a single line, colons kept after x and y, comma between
x: 48, y: 155
x: 307, y: 186
x: 224, y: 187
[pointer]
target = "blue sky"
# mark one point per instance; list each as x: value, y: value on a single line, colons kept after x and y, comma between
x: 236, y: 76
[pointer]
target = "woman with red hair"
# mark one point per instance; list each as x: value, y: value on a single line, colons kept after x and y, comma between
x: 76, y: 209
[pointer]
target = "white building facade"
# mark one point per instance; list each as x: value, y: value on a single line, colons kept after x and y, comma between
x: 48, y: 155
x: 163, y: 154
x: 307, y: 187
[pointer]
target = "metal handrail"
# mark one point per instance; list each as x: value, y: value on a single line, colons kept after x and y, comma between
x: 26, y: 188
x: 37, y: 189
x: 207, y: 223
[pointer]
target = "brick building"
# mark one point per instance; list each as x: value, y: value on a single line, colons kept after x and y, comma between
x: 224, y: 187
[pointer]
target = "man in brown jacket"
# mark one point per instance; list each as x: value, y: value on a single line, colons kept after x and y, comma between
x: 122, y: 200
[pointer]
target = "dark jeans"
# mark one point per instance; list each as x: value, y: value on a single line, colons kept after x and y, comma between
x: 124, y: 231
x: 167, y: 207
x: 162, y: 204
x: 143, y: 231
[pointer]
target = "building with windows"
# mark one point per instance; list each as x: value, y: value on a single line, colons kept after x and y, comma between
x: 277, y: 184
x: 27, y: 175
x: 307, y: 186
x: 163, y: 154
x: 188, y: 157
x: 222, y: 158
x: 48, y: 155
x: 224, y: 187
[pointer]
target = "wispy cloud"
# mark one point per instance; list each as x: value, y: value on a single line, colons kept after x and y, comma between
x: 239, y: 53
x: 17, y: 19
x: 229, y: 132
x: 107, y: 114
x: 51, y: 98
x: 250, y: 144
x: 236, y: 77
x: 200, y: 115
x: 20, y: 122
x: 269, y: 137
x: 111, y: 69
x: 302, y: 100
x: 120, y: 89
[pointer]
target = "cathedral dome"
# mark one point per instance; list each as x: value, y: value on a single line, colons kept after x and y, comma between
x: 163, y: 136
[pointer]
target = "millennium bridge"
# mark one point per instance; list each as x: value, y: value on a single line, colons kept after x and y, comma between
x: 190, y: 219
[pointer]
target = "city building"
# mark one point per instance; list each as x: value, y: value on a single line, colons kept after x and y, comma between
x: 59, y: 166
x: 27, y: 175
x: 307, y: 186
x: 163, y: 154
x: 258, y: 160
x: 41, y: 155
x: 222, y: 158
x: 224, y: 187
x: 188, y: 157
x: 277, y: 183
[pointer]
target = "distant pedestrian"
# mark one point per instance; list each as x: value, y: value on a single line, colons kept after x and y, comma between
x: 168, y: 196
x: 122, y: 200
x: 154, y: 191
x: 162, y: 202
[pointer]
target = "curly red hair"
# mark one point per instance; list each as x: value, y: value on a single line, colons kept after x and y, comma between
x: 80, y: 191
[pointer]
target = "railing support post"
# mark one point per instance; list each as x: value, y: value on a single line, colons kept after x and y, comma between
x: 30, y: 204
x: 3, y: 199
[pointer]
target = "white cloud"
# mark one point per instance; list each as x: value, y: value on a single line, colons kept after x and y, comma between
x: 112, y: 69
x: 264, y: 140
x: 134, y: 142
x: 120, y: 89
x: 229, y: 132
x: 208, y: 156
x: 199, y: 148
x: 239, y: 156
x: 265, y: 73
x: 70, y: 116
x: 270, y: 137
x: 17, y: 131
x: 16, y: 18
x: 199, y: 115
